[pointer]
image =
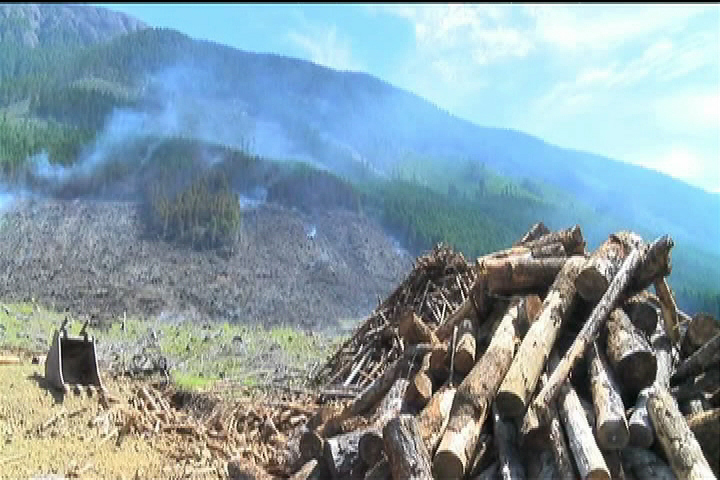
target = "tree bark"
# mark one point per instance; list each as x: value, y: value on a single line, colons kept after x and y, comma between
x: 629, y: 353
x: 599, y: 270
x: 706, y: 428
x: 588, y: 457
x: 701, y: 329
x: 611, y: 428
x: 520, y: 382
x: 406, y: 452
x: 587, y: 334
x: 472, y: 401
x: 642, y: 312
x: 571, y: 238
x: 521, y: 274
x: 420, y: 388
x: 433, y: 419
x: 675, y: 437
x: 508, y: 457
x: 643, y: 463
x: 370, y: 445
x: 708, y: 354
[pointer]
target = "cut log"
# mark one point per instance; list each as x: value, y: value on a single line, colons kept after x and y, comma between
x: 678, y: 442
x: 380, y: 386
x: 708, y: 354
x: 706, y: 383
x: 421, y: 387
x: 588, y: 457
x: 472, y: 400
x: 312, y: 470
x: 521, y: 380
x: 611, y: 427
x: 370, y: 445
x: 643, y: 463
x: 381, y: 471
x: 413, y: 330
x: 587, y: 334
x: 654, y: 267
x: 433, y: 419
x: 706, y: 428
x: 465, y: 351
x: 599, y: 270
x: 406, y: 452
x: 630, y: 354
x: 477, y: 304
x: 571, y: 238
x: 642, y: 312
x: 341, y: 454
x: 535, y: 232
x: 509, y: 460
x: 439, y: 367
x: 549, y: 250
x: 521, y: 274
x: 701, y: 329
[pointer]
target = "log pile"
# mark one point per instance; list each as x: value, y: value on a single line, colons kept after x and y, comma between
x: 543, y: 360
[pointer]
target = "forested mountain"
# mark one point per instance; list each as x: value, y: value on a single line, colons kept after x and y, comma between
x: 117, y: 100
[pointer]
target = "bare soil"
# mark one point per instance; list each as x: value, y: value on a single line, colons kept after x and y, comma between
x: 92, y: 258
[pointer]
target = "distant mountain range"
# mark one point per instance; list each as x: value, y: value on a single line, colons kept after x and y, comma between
x: 137, y: 79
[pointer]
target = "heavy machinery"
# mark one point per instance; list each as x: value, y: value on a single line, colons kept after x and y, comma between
x: 72, y: 360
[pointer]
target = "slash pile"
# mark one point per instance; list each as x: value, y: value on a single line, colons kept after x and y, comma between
x: 540, y: 361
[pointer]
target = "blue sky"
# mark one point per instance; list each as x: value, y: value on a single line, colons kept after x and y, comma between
x: 639, y: 83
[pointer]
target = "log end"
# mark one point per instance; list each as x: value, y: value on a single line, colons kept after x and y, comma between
x: 509, y: 404
x: 370, y: 447
x: 447, y: 465
x: 613, y: 435
x: 464, y: 361
x: 640, y: 436
x: 637, y: 371
x: 591, y: 285
x: 598, y: 474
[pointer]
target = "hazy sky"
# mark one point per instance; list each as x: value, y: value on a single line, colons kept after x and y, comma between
x: 639, y: 83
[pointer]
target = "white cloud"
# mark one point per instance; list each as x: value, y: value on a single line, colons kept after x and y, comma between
x: 325, y: 47
x: 691, y: 112
x: 685, y: 164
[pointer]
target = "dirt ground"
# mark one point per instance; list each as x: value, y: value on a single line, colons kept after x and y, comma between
x: 289, y: 268
x: 85, y: 434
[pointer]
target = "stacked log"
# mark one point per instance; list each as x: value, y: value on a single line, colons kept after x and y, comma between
x: 542, y: 360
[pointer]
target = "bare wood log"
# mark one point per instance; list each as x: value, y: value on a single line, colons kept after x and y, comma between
x: 514, y: 393
x: 472, y: 401
x: 549, y: 250
x: 571, y: 238
x: 413, y: 330
x: 705, y: 383
x: 520, y: 274
x: 587, y: 334
x: 312, y: 470
x: 380, y: 386
x: 341, y: 454
x: 644, y: 463
x: 477, y: 303
x: 629, y: 353
x: 706, y: 428
x: 508, y: 457
x: 465, y: 351
x: 694, y: 406
x: 370, y: 445
x: 701, y: 329
x: 536, y: 231
x: 642, y: 312
x: 588, y: 457
x: 380, y: 471
x: 421, y: 388
x: 433, y: 419
x: 611, y: 428
x: 599, y: 270
x: 406, y: 452
x: 675, y: 437
x: 708, y: 354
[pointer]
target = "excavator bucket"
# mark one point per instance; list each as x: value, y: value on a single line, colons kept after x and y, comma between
x: 72, y: 360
